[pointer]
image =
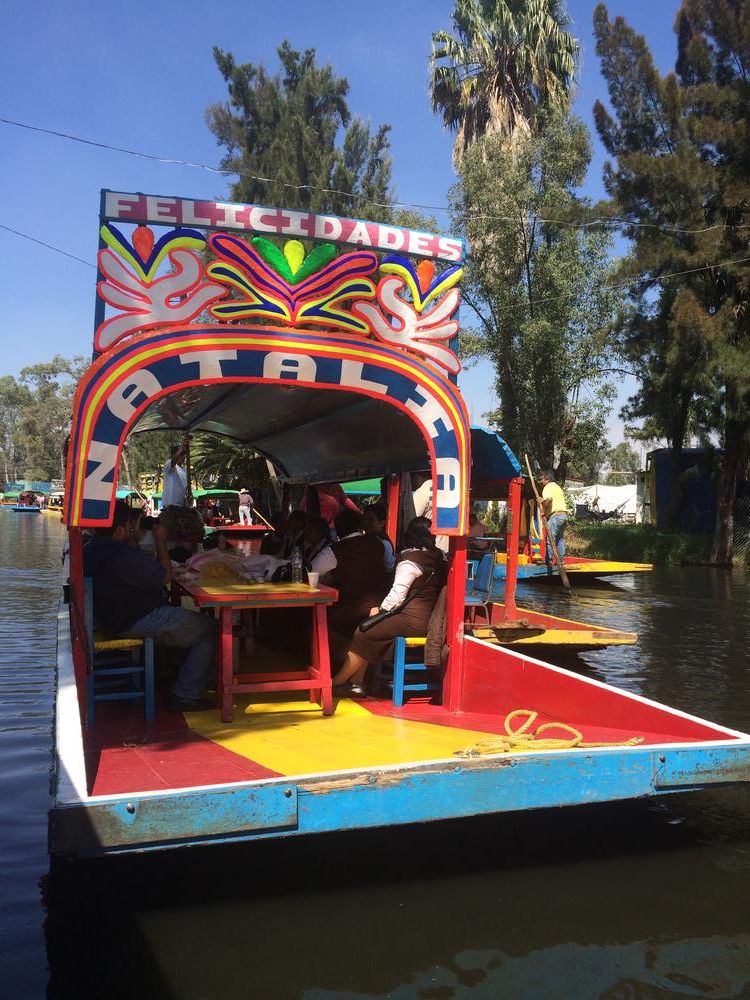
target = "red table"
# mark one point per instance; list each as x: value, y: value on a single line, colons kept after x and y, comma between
x: 229, y: 597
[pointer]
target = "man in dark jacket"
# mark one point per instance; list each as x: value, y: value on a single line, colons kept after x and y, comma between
x: 128, y: 589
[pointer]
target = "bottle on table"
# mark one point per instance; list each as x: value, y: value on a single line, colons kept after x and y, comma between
x: 297, y: 568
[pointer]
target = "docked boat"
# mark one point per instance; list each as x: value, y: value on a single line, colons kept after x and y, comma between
x: 337, y: 390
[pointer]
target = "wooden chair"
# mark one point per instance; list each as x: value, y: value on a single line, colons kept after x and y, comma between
x: 429, y: 678
x: 479, y: 590
x: 118, y: 668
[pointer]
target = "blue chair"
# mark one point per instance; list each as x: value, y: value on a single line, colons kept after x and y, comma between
x: 430, y: 677
x: 479, y: 591
x: 118, y: 668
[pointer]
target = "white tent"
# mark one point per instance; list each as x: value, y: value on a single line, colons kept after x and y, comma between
x: 606, y: 499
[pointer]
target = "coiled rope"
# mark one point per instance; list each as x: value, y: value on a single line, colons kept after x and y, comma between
x: 523, y: 738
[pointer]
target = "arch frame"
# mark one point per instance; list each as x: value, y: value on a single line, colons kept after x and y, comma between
x: 125, y: 380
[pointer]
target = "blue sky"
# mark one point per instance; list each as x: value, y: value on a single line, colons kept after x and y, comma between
x: 139, y: 75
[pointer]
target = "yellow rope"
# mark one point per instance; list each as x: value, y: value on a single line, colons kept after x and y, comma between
x: 523, y: 738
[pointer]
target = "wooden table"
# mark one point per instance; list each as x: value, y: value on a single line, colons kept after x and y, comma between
x: 229, y: 597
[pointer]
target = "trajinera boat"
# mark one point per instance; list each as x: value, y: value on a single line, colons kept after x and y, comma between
x: 335, y: 358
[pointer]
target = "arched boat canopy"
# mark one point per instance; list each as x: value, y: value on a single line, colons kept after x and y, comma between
x: 320, y: 406
x: 354, y: 376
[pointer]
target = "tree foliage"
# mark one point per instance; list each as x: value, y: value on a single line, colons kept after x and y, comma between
x: 292, y: 140
x: 623, y: 462
x: 35, y: 418
x: 507, y: 60
x: 539, y: 291
x: 680, y: 173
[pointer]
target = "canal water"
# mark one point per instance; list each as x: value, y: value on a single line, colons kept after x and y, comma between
x: 647, y: 899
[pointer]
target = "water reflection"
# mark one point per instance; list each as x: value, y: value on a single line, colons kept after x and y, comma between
x: 614, y: 901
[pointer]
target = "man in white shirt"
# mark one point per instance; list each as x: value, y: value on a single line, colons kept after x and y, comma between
x: 175, y: 476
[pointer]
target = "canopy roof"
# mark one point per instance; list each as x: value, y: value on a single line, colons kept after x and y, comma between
x: 492, y: 463
x: 310, y: 435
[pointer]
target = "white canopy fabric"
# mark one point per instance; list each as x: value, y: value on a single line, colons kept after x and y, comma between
x: 606, y: 499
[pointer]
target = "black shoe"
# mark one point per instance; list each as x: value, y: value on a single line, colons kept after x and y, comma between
x: 342, y: 690
x: 358, y: 690
x: 175, y: 704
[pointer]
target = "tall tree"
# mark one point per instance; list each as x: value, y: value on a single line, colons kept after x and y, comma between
x: 15, y: 398
x: 539, y: 290
x: 45, y: 420
x: 681, y: 176
x: 291, y: 138
x: 624, y: 462
x: 508, y: 60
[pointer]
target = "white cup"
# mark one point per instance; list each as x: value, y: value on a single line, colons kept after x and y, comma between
x: 312, y: 579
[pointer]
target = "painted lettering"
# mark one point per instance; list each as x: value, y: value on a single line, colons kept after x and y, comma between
x: 327, y: 227
x: 278, y: 365
x: 351, y: 375
x: 94, y: 487
x: 450, y: 249
x: 448, y: 492
x: 209, y: 362
x: 429, y: 412
x: 120, y: 206
x: 297, y: 224
x: 140, y: 383
x: 419, y: 243
x: 390, y: 238
x: 359, y: 234
x: 161, y: 209
x: 263, y: 220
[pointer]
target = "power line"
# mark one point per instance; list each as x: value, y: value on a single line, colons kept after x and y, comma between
x: 614, y: 223
x: 33, y: 239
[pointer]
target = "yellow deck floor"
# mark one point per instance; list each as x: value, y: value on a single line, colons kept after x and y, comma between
x: 294, y: 737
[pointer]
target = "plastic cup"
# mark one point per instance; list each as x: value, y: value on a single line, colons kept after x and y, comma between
x: 312, y: 579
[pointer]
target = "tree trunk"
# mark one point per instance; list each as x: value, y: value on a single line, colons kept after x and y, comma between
x: 721, y: 552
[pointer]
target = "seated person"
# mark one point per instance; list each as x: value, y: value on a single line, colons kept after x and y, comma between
x: 272, y: 541
x: 374, y: 518
x: 318, y: 554
x: 217, y: 540
x: 476, y: 543
x: 128, y: 588
x: 327, y: 500
x: 360, y: 578
x: 420, y: 572
x: 176, y: 536
x: 294, y: 534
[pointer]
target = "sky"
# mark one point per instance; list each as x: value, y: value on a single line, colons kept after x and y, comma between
x: 139, y: 75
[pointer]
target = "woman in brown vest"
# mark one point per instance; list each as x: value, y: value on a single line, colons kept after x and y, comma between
x: 420, y: 573
x: 360, y: 578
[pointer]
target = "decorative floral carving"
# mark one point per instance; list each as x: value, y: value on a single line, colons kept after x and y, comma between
x: 143, y: 300
x: 289, y: 287
x: 401, y: 323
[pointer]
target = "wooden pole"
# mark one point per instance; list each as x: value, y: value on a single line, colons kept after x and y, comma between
x: 563, y: 574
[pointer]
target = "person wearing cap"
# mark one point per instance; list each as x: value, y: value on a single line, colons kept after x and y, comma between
x: 556, y: 512
x: 246, y: 504
x: 175, y: 476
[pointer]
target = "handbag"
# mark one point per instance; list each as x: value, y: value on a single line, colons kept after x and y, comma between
x: 368, y: 623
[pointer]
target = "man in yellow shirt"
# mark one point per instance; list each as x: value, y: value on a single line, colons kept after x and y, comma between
x: 556, y: 511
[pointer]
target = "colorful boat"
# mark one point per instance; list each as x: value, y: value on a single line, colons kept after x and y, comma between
x: 354, y: 380
x: 577, y: 568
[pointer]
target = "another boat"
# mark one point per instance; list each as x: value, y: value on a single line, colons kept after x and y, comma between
x: 332, y: 392
x: 21, y: 508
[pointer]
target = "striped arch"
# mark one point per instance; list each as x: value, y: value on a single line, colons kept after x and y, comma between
x: 128, y: 378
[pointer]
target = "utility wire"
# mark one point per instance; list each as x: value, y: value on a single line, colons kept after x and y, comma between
x: 49, y: 246
x: 614, y: 223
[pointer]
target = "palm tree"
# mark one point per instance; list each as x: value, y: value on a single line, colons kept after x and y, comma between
x: 508, y: 59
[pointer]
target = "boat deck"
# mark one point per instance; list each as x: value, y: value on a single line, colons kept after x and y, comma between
x: 283, y: 736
